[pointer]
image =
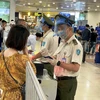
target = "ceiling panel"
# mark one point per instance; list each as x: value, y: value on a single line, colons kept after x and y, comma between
x: 57, y: 5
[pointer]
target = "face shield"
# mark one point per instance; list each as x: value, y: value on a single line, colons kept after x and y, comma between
x: 39, y: 26
x: 61, y: 27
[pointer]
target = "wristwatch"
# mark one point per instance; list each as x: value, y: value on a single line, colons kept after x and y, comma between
x: 58, y: 63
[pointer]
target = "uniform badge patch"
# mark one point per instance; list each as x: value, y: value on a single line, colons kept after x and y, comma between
x: 78, y: 52
x: 43, y: 43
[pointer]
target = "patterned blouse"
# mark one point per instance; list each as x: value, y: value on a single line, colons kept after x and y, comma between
x: 16, y: 65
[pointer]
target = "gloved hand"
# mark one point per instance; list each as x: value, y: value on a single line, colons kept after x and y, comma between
x: 44, y: 52
x: 52, y: 61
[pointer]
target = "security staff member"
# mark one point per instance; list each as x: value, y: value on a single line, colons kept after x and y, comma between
x: 67, y: 58
x: 48, y: 42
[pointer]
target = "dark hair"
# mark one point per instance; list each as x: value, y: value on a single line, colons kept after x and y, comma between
x: 39, y: 34
x: 19, y: 21
x: 87, y: 25
x: 17, y: 37
x: 12, y: 20
x: 3, y: 21
x: 0, y: 19
x: 92, y: 29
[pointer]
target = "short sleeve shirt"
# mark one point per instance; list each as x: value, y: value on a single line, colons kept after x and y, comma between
x: 49, y: 42
x: 70, y: 52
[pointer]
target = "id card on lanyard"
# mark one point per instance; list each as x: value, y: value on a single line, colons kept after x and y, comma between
x: 64, y: 58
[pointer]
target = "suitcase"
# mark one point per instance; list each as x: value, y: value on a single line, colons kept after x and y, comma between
x: 97, y: 57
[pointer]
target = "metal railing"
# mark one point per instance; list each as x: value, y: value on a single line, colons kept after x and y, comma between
x: 33, y: 88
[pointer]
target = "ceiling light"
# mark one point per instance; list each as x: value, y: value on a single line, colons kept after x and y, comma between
x: 83, y: 3
x: 61, y: 7
x: 48, y: 5
x: 67, y: 6
x: 56, y: 7
x: 48, y: 15
x: 98, y: 6
x: 74, y: 0
x: 88, y: 7
x: 74, y: 4
x: 53, y: 2
x: 24, y: 4
x: 28, y: 3
x: 40, y: 1
x: 29, y: 13
x: 95, y: 9
x: 95, y: 0
x: 71, y: 5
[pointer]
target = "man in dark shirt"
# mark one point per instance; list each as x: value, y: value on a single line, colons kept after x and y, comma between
x: 86, y: 34
x: 2, y: 28
x: 93, y: 40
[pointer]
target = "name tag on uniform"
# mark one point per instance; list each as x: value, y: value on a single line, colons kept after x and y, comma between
x: 63, y: 59
x: 43, y: 43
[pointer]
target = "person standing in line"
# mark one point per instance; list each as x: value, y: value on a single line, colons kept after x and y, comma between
x: 86, y: 34
x: 32, y: 41
x: 21, y: 22
x: 12, y: 60
x: 2, y: 29
x: 67, y: 59
x: 0, y: 21
x: 93, y: 41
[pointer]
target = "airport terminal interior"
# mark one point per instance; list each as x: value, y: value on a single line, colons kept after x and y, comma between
x: 61, y: 49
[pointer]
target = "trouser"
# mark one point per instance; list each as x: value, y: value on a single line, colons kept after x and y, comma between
x: 92, y: 47
x: 50, y: 69
x: 85, y: 45
x: 66, y: 89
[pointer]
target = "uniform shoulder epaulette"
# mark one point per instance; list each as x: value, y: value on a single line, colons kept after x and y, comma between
x: 75, y: 42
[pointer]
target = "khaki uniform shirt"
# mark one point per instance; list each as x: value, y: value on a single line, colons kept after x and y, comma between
x: 69, y: 52
x: 49, y: 42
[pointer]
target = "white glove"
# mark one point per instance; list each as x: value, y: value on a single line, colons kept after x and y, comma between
x: 51, y: 61
x: 44, y: 52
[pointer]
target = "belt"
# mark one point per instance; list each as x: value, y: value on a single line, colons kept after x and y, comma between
x: 65, y: 78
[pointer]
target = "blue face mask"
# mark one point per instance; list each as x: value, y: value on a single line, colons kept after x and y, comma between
x: 62, y: 34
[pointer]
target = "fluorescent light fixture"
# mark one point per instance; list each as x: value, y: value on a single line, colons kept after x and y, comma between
x: 83, y: 3
x: 48, y: 15
x: 29, y: 3
x: 95, y: 0
x: 40, y: 1
x: 56, y: 7
x: 74, y: 0
x: 61, y: 7
x: 53, y: 2
x: 48, y: 5
x: 88, y: 7
x: 95, y: 9
x: 67, y: 6
x: 98, y: 6
x: 29, y: 13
